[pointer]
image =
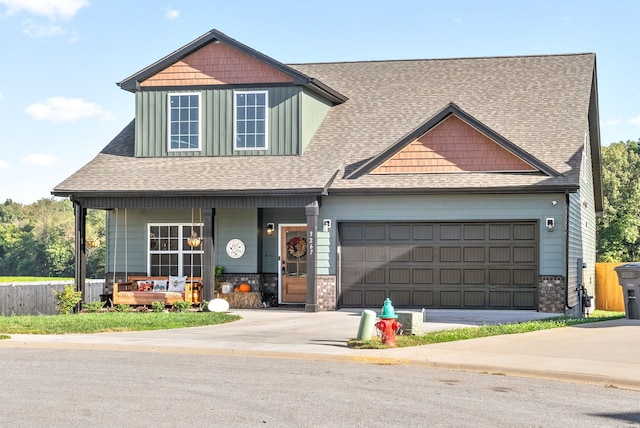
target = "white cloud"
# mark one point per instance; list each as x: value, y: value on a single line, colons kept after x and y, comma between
x: 34, y: 30
x: 39, y: 159
x: 171, y: 14
x: 53, y: 9
x: 4, y: 164
x: 612, y: 122
x: 635, y: 120
x: 62, y: 109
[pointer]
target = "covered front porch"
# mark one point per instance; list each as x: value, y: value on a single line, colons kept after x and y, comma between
x: 270, y: 242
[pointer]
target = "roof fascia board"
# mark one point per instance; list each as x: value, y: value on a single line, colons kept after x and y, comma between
x: 456, y: 190
x: 131, y: 83
x: 594, y: 138
x: 450, y: 109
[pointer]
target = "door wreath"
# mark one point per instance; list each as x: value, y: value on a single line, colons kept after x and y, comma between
x: 297, y: 247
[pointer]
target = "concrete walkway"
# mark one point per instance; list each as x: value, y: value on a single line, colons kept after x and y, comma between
x: 604, y: 353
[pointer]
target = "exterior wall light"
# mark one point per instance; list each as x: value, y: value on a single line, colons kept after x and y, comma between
x: 270, y: 227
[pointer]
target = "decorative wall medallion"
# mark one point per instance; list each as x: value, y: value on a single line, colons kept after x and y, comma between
x: 235, y: 248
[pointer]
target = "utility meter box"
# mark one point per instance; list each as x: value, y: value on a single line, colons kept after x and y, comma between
x: 411, y: 322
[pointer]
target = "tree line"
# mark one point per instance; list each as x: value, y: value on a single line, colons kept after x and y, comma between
x: 38, y: 239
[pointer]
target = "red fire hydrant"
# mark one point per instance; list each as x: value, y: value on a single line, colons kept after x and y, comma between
x: 388, y: 324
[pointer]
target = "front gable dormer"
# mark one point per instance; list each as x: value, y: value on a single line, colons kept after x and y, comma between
x: 452, y: 142
x: 218, y: 97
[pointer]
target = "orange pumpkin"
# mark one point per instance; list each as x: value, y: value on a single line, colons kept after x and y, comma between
x: 245, y: 288
x: 236, y: 289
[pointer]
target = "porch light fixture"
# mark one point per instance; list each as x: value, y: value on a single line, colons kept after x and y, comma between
x: 270, y: 228
x: 194, y: 240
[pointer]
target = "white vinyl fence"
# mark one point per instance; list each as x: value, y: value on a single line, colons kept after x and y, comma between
x: 36, y: 298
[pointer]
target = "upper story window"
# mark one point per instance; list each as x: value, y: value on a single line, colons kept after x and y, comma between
x: 184, y: 122
x: 250, y: 120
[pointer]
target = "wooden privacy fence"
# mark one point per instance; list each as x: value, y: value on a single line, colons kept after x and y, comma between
x: 608, y: 289
x: 36, y: 298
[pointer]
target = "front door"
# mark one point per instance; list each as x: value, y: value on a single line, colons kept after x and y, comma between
x: 293, y: 264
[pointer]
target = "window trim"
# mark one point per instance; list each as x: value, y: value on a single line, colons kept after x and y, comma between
x: 181, y: 251
x: 266, y: 120
x: 173, y: 94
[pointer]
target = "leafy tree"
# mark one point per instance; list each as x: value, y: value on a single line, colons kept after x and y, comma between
x: 619, y: 229
x: 38, y: 239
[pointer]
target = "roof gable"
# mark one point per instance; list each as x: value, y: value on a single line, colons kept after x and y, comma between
x: 217, y: 64
x: 453, y: 146
x: 262, y: 67
x: 452, y: 141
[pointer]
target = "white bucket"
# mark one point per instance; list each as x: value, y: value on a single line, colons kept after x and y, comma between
x: 227, y: 288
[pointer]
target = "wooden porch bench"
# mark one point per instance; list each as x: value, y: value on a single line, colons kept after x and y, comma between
x: 127, y: 293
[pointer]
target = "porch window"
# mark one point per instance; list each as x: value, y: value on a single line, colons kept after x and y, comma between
x: 170, y: 254
x: 250, y: 120
x: 184, y: 122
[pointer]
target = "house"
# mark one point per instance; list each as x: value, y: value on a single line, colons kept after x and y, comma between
x: 442, y: 183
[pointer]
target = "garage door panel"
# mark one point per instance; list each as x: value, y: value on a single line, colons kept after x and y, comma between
x: 450, y: 254
x: 499, y: 299
x: 375, y: 232
x: 400, y: 297
x: 353, y: 254
x: 400, y: 276
x: 422, y: 276
x: 422, y: 232
x: 524, y: 255
x: 422, y: 254
x: 352, y: 298
x: 450, y: 276
x: 375, y: 276
x: 422, y: 298
x: 451, y: 299
x: 499, y: 276
x: 400, y: 254
x: 474, y: 276
x: 474, y: 298
x: 473, y: 255
x: 399, y: 232
x: 374, y: 298
x: 447, y: 265
x: 375, y: 254
x: 524, y: 299
x: 524, y: 277
x: 353, y: 276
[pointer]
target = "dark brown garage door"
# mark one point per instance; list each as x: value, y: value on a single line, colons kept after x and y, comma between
x: 439, y: 265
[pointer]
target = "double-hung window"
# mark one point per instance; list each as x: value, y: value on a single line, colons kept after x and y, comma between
x: 184, y: 121
x: 169, y: 250
x: 250, y: 120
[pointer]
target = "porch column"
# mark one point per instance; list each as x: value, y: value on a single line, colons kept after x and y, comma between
x: 312, y: 210
x: 80, y: 215
x: 208, y: 256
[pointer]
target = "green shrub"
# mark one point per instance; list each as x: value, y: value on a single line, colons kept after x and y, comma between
x: 181, y: 306
x: 157, y: 306
x: 67, y: 299
x: 123, y: 308
x: 93, y: 306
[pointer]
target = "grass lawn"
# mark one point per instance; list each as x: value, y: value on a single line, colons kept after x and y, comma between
x: 484, y: 331
x: 108, y: 322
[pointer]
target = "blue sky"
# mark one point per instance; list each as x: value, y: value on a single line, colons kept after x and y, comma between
x: 59, y: 104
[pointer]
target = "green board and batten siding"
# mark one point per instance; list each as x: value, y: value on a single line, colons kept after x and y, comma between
x: 289, y: 130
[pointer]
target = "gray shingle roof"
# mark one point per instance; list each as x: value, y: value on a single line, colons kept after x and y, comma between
x: 538, y: 103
